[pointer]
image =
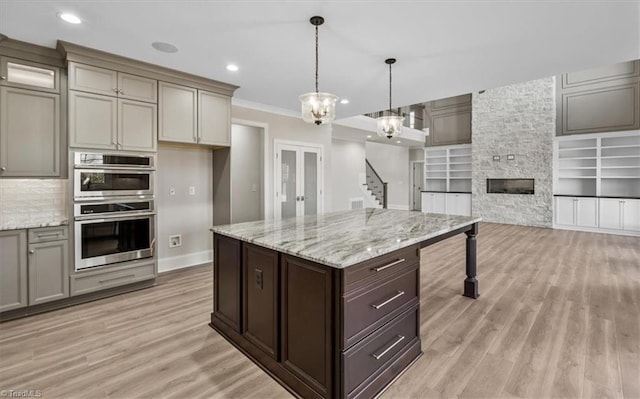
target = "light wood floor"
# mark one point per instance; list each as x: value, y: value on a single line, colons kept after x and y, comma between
x: 558, y: 316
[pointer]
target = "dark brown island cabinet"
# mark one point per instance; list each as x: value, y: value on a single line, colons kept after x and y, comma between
x: 323, y: 331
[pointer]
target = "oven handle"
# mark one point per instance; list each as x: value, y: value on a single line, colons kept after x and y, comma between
x: 108, y: 218
x: 103, y: 168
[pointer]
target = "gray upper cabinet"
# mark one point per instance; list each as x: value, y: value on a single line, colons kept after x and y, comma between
x: 48, y: 265
x: 449, y: 121
x: 13, y: 269
x: 106, y: 82
x: 103, y: 122
x: 30, y: 138
x: 178, y: 121
x: 29, y: 75
x: 602, y: 99
x: 93, y: 121
x: 214, y: 119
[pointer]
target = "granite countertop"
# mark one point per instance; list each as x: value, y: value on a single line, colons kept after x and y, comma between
x: 32, y: 224
x: 341, y: 239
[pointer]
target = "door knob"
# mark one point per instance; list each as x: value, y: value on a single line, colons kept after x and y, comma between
x: 31, y: 251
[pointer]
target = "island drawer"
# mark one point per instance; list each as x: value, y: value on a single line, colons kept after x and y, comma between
x: 375, y: 353
x: 379, y: 267
x: 370, y: 307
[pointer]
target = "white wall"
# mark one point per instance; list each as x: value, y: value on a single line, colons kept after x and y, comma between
x: 347, y: 163
x: 392, y: 164
x: 246, y: 173
x: 290, y: 128
x: 188, y: 215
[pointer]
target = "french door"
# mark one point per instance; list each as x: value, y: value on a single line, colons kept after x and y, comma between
x: 299, y: 180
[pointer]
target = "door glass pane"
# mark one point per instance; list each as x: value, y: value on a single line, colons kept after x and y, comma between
x: 32, y: 76
x: 113, y: 181
x: 310, y: 183
x: 288, y: 189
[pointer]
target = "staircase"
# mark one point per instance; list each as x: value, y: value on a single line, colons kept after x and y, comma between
x: 375, y: 186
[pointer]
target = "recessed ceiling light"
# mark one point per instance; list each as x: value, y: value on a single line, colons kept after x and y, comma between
x: 70, y: 18
x: 398, y: 141
x: 232, y: 67
x: 368, y: 136
x: 164, y: 47
x: 344, y: 101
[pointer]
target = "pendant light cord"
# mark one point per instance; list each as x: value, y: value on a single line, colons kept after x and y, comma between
x: 389, y: 89
x: 317, y: 59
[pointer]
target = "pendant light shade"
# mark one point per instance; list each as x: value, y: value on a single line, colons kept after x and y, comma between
x: 318, y: 107
x: 391, y: 125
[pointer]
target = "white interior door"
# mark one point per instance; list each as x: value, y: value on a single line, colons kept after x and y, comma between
x: 299, y: 180
x: 418, y: 178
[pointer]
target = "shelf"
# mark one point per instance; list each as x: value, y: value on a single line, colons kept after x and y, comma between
x: 578, y: 167
x: 619, y: 156
x: 436, y: 178
x: 577, y: 177
x: 460, y: 178
x: 620, y: 177
x: 578, y: 148
x: 561, y: 159
x: 620, y: 167
x: 606, y: 147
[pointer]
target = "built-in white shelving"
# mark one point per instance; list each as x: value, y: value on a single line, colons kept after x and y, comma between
x: 598, y: 165
x: 448, y: 168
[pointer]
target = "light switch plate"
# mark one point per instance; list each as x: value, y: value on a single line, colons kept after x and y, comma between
x: 192, y: 190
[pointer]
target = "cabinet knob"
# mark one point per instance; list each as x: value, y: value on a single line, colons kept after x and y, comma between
x: 31, y: 251
x: 2, y: 169
x: 3, y: 78
x: 120, y: 91
x: 115, y: 89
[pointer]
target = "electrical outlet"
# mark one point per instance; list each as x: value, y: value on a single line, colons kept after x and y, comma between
x: 511, y: 157
x: 192, y: 190
x: 175, y: 241
x: 172, y: 191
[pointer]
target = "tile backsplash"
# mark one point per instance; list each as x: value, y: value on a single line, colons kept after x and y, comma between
x: 32, y: 202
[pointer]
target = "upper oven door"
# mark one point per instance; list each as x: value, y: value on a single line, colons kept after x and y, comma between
x: 118, y: 161
x: 91, y: 183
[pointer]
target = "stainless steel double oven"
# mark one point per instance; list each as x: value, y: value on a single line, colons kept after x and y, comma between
x: 114, y: 209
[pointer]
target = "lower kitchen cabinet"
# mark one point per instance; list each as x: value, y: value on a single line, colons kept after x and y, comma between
x: 13, y: 269
x: 434, y: 203
x: 48, y: 264
x: 226, y: 281
x: 609, y: 215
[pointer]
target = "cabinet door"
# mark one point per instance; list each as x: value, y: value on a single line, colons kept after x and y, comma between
x: 178, y: 113
x: 260, y: 309
x: 29, y: 133
x: 134, y: 87
x: 214, y: 119
x: 610, y: 215
x: 631, y: 214
x: 227, y: 267
x: 92, y: 121
x: 29, y: 75
x: 48, y: 271
x: 438, y: 203
x: 565, y: 211
x: 587, y: 212
x: 93, y: 79
x: 458, y: 204
x: 137, y: 128
x: 13, y: 269
x: 307, y: 318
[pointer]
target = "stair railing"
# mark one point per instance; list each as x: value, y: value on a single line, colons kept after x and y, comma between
x: 376, y: 185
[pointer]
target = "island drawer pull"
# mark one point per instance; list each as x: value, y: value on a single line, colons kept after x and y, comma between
x: 384, y: 352
x: 388, y: 265
x: 393, y: 298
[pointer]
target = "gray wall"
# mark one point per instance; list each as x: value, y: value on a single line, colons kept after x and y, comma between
x: 346, y: 166
x: 392, y: 164
x: 416, y: 154
x: 520, y: 120
x: 246, y: 173
x: 188, y: 215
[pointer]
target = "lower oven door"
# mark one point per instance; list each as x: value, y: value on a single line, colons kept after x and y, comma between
x: 109, y: 240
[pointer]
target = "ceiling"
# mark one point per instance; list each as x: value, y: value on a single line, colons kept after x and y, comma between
x: 444, y: 48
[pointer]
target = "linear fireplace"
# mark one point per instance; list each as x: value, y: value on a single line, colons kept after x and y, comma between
x: 510, y: 186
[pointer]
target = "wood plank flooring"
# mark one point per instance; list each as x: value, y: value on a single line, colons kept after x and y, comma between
x: 558, y: 316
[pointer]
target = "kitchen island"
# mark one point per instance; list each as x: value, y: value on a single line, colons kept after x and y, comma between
x: 329, y: 305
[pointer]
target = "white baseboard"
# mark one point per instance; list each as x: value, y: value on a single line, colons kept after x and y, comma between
x: 183, y: 261
x: 398, y: 207
x: 598, y: 230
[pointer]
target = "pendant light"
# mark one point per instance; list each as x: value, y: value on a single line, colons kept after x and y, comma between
x: 390, y: 126
x: 318, y: 107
